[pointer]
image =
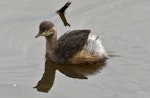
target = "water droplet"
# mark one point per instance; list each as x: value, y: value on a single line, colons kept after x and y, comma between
x: 14, y: 85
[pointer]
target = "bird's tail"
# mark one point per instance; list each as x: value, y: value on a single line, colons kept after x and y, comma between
x: 94, y: 47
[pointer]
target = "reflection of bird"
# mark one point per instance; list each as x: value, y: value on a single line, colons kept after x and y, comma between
x: 72, y: 71
x: 46, y: 82
x: 74, y: 47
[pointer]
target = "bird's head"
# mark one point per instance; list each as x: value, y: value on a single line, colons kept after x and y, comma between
x: 46, y: 29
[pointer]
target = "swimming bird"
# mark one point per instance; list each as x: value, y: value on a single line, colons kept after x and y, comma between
x: 74, y: 47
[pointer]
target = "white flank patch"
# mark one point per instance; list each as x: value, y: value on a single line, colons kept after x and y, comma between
x: 94, y: 46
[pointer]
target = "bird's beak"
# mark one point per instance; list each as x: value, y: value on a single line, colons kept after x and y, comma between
x: 38, y: 35
x: 43, y: 34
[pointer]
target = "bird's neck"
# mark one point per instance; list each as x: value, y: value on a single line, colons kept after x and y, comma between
x: 51, y: 45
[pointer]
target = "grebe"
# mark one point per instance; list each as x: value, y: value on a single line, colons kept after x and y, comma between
x: 74, y: 47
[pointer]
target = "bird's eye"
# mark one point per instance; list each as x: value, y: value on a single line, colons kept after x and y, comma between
x: 43, y: 31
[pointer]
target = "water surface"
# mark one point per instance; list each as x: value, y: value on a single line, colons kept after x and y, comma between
x: 124, y: 29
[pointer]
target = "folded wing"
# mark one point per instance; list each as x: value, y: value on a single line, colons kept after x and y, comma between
x: 71, y: 43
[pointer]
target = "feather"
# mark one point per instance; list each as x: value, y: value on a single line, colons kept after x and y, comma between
x: 71, y: 43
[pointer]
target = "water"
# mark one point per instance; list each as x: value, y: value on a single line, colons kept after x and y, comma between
x: 124, y: 29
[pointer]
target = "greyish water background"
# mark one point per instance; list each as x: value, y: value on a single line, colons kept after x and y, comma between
x: 124, y: 27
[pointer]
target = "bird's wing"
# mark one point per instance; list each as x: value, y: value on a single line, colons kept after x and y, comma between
x: 70, y: 43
